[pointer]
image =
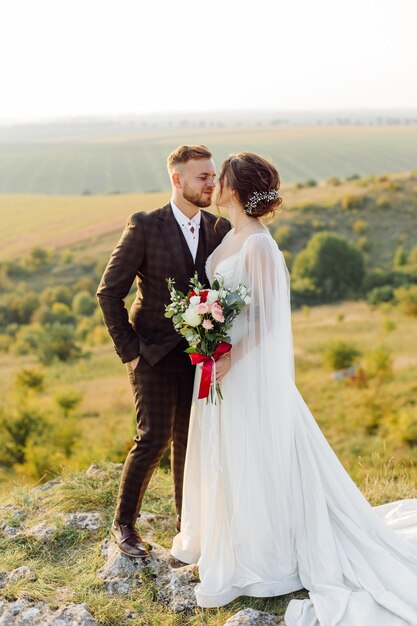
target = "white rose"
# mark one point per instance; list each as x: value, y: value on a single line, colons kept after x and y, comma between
x: 191, y: 317
x: 212, y: 296
x: 194, y: 300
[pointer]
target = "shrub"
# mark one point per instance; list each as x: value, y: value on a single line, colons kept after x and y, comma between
x: 353, y: 177
x: 407, y: 299
x: 340, y: 355
x: 16, y: 428
x: 352, y: 201
x: 412, y: 257
x: 380, y: 294
x: 38, y: 257
x: 22, y: 307
x: 407, y: 428
x: 29, y: 379
x: 303, y: 291
x: 283, y: 236
x: 380, y: 278
x: 333, y: 180
x: 50, y: 295
x: 360, y: 226
x: 400, y: 257
x: 388, y: 325
x: 84, y: 303
x: 59, y: 313
x: 363, y: 244
x: 333, y: 266
x: 85, y: 284
x: 52, y: 342
x: 383, y: 203
x: 68, y: 401
x: 378, y: 364
x: 5, y: 342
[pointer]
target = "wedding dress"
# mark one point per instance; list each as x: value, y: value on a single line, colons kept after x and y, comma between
x: 268, y: 509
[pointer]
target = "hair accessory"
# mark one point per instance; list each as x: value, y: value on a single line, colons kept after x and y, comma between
x: 258, y: 196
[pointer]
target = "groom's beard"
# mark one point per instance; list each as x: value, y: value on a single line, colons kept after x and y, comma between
x: 201, y: 200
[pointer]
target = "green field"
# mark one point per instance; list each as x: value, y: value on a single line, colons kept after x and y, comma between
x: 134, y: 161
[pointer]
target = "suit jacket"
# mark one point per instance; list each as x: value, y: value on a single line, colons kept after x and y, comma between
x: 152, y: 248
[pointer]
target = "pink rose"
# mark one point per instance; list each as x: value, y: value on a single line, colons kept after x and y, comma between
x: 202, y: 308
x: 207, y: 324
x: 217, y: 312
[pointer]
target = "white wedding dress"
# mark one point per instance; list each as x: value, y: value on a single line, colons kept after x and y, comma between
x: 268, y: 509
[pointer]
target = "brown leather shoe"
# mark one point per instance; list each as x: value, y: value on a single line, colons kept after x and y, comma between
x: 128, y: 540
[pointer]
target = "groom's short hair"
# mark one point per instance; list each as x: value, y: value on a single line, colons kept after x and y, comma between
x: 184, y: 153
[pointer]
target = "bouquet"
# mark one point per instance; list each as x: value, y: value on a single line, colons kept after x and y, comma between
x: 204, y: 317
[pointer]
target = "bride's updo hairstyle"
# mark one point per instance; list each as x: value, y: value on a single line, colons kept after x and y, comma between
x: 255, y: 181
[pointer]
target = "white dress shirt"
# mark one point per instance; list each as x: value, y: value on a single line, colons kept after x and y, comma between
x: 190, y: 227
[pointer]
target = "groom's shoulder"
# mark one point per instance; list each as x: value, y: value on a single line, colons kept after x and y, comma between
x: 148, y: 217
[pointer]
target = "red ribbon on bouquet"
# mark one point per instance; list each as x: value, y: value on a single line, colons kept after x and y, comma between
x: 207, y: 369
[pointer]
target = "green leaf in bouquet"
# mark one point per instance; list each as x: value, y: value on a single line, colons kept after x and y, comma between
x: 231, y: 299
x: 177, y: 318
x: 169, y: 314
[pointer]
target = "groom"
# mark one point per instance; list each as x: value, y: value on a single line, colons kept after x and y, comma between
x: 173, y: 241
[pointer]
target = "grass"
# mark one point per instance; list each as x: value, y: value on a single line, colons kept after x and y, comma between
x: 66, y: 566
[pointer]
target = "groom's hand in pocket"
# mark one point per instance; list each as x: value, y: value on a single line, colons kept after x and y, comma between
x: 133, y: 364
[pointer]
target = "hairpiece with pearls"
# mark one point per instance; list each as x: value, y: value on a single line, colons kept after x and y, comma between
x: 258, y: 196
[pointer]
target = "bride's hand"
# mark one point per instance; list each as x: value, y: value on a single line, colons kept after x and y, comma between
x: 223, y: 365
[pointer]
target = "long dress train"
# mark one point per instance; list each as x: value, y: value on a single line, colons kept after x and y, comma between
x: 268, y: 509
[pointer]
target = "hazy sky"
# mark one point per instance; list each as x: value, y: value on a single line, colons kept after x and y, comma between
x: 84, y: 57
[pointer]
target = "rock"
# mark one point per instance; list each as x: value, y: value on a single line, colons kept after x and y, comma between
x: 251, y: 617
x: 25, y: 613
x: 8, y: 531
x: 15, y: 512
x: 41, y: 531
x: 176, y: 589
x: 145, y: 516
x: 104, y: 548
x: 49, y: 485
x: 119, y: 571
x: 72, y: 615
x: 19, y: 573
x: 3, y: 579
x: 175, y: 586
x: 344, y: 373
x: 97, y: 471
x: 87, y: 521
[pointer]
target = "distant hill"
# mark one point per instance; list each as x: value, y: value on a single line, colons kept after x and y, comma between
x: 129, y: 157
x: 378, y: 213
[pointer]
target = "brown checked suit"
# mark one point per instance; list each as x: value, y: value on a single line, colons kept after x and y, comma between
x: 151, y: 249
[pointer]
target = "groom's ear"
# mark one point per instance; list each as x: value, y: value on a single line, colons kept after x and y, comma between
x: 176, y: 180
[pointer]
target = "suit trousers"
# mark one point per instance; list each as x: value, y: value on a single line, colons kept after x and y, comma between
x: 163, y: 395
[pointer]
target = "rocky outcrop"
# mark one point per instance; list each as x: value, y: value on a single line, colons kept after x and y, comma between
x: 174, y: 581
x: 250, y: 617
x: 25, y: 613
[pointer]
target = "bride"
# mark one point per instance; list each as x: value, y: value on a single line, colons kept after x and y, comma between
x: 268, y: 509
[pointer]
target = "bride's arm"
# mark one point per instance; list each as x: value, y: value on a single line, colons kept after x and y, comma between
x: 268, y: 279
